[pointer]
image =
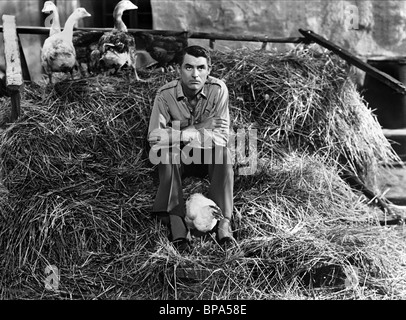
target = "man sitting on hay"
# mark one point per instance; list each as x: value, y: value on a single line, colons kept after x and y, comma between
x: 188, y: 133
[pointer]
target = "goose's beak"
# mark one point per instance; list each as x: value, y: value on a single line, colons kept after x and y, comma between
x: 128, y: 5
x: 131, y: 6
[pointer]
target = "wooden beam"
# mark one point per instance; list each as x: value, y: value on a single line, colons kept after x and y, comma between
x: 349, y: 57
x: 400, y: 201
x: 391, y: 133
x: 211, y: 43
x: 14, y: 78
x: 191, y: 34
x: 30, y: 30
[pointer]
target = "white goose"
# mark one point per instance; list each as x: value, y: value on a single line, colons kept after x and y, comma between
x: 117, y: 47
x: 58, y: 53
x: 202, y: 213
x: 50, y: 8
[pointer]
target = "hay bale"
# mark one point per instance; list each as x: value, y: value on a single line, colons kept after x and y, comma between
x: 79, y: 187
x: 85, y: 146
x: 305, y: 101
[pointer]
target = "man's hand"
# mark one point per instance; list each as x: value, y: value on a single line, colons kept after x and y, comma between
x: 213, y: 123
x: 154, y: 140
x: 160, y: 137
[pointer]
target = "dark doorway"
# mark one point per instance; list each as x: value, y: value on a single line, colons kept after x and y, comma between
x: 102, y: 14
x: 144, y: 20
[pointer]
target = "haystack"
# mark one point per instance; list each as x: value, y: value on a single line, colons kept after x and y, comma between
x: 78, y: 188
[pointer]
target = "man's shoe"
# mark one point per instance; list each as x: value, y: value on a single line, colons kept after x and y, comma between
x: 224, y: 233
x: 178, y: 233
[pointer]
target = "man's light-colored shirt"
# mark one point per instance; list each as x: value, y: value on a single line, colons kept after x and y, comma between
x: 172, y: 112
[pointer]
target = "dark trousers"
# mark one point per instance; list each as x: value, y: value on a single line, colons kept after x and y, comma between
x: 216, y: 162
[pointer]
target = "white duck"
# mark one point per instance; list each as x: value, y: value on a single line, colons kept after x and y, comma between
x: 202, y: 213
x: 58, y: 53
x: 117, y: 47
x: 50, y: 8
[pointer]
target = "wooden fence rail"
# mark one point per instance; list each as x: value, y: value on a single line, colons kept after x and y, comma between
x: 191, y: 34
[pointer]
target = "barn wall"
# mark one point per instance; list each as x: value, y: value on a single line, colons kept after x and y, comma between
x: 380, y: 28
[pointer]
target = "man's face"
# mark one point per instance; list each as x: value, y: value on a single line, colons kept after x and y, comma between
x: 193, y: 73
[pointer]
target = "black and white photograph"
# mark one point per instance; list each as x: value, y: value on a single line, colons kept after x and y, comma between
x: 200, y: 156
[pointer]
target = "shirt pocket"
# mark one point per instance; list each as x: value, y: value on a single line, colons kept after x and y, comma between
x: 207, y: 113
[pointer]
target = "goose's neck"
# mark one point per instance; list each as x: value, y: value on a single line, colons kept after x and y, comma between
x: 69, y: 24
x: 56, y: 25
x: 118, y: 20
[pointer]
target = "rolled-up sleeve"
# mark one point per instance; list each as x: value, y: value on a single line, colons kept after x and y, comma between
x: 222, y: 110
x: 161, y: 126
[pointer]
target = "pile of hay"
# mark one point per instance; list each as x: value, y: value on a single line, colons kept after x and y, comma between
x: 306, y: 102
x: 78, y: 188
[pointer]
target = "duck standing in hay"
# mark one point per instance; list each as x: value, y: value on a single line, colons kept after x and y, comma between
x: 58, y: 53
x: 116, y: 49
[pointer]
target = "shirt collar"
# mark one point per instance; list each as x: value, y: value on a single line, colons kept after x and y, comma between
x: 180, y: 95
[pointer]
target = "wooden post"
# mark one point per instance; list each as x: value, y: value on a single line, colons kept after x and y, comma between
x: 24, y: 65
x: 211, y: 43
x: 14, y: 77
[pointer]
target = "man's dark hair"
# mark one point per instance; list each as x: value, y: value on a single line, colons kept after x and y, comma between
x: 196, y: 51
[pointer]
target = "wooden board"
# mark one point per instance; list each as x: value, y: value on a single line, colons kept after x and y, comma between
x: 349, y: 57
x: 391, y: 133
x: 14, y: 78
x: 194, y: 35
x: 14, y: 75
